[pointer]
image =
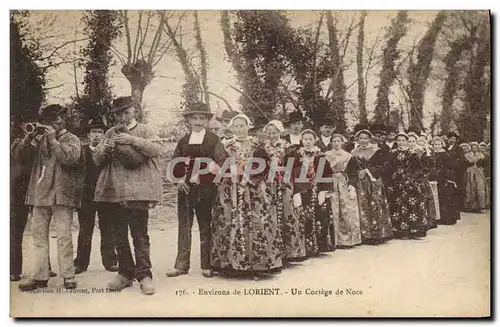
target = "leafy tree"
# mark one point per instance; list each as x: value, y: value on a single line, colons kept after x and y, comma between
x: 102, y: 28
x: 419, y: 72
x: 388, y: 74
x: 27, y: 78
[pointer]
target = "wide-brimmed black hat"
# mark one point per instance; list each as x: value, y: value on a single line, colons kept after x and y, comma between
x: 392, y: 129
x: 122, y: 103
x: 96, y: 122
x: 198, y: 108
x: 378, y: 127
x: 453, y: 133
x: 228, y: 114
x: 293, y: 117
x: 326, y: 121
x: 50, y: 112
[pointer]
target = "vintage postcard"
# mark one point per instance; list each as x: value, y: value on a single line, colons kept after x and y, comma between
x: 250, y: 163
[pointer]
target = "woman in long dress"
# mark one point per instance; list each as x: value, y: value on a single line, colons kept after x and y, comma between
x: 309, y: 195
x: 424, y: 156
x: 290, y: 228
x: 475, y: 182
x: 484, y: 148
x: 345, y: 210
x: 365, y: 173
x: 245, y: 236
x: 443, y: 174
x: 405, y: 194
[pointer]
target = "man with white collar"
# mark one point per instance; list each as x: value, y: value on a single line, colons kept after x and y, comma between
x: 87, y: 213
x: 196, y: 196
x: 390, y: 139
x: 54, y: 191
x: 295, y: 124
x: 129, y: 184
x: 326, y: 129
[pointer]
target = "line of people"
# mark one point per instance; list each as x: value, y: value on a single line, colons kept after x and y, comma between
x: 382, y: 185
x: 385, y: 185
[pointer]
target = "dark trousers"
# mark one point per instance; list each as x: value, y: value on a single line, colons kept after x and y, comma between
x: 137, y: 220
x: 200, y: 201
x: 86, y: 219
x: 18, y: 219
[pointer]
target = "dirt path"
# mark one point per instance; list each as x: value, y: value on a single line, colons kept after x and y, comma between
x: 445, y: 274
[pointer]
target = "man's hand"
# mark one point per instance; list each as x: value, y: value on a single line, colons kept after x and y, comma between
x: 51, y: 133
x: 362, y: 174
x: 108, y: 144
x: 183, y: 186
x: 123, y: 138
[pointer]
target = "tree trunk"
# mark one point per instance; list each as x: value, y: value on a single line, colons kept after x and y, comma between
x: 363, y: 117
x: 477, y: 105
x: 457, y: 47
x: 137, y: 93
x: 419, y: 72
x: 337, y: 71
x: 203, y: 59
x: 395, y: 32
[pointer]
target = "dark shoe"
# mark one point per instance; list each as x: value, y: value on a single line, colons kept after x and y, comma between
x: 147, y: 286
x: 120, y: 282
x: 112, y: 268
x: 207, y: 273
x: 15, y: 278
x: 52, y: 274
x: 176, y: 272
x: 69, y: 283
x: 32, y: 284
x: 79, y: 270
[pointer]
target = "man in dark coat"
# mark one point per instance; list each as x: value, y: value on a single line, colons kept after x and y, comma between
x: 86, y: 215
x: 379, y: 132
x: 326, y: 129
x: 294, y: 124
x: 390, y: 139
x: 55, y: 191
x: 198, y: 195
x: 457, y: 164
x: 225, y: 132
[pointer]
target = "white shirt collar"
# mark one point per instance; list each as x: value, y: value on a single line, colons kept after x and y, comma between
x: 197, y: 137
x: 295, y: 139
x: 326, y: 139
x: 132, y: 124
x: 61, y: 132
x: 93, y: 148
x: 390, y: 144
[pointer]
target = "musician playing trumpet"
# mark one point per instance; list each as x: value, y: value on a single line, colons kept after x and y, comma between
x: 54, y: 191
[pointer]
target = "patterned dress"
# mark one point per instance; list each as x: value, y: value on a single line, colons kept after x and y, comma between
x: 245, y: 227
x: 443, y: 173
x: 373, y: 206
x: 430, y: 190
x: 405, y: 194
x: 475, y: 182
x: 316, y: 217
x: 345, y: 210
x: 290, y: 228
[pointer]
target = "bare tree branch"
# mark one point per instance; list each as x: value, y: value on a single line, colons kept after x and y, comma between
x: 62, y: 46
x: 136, y: 41
x: 127, y: 34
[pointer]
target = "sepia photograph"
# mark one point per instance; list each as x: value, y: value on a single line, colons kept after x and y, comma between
x: 250, y: 163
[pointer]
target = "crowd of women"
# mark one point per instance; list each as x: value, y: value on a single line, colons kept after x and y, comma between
x: 382, y: 185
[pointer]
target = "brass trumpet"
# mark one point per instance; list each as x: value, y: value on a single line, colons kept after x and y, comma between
x: 34, y: 128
